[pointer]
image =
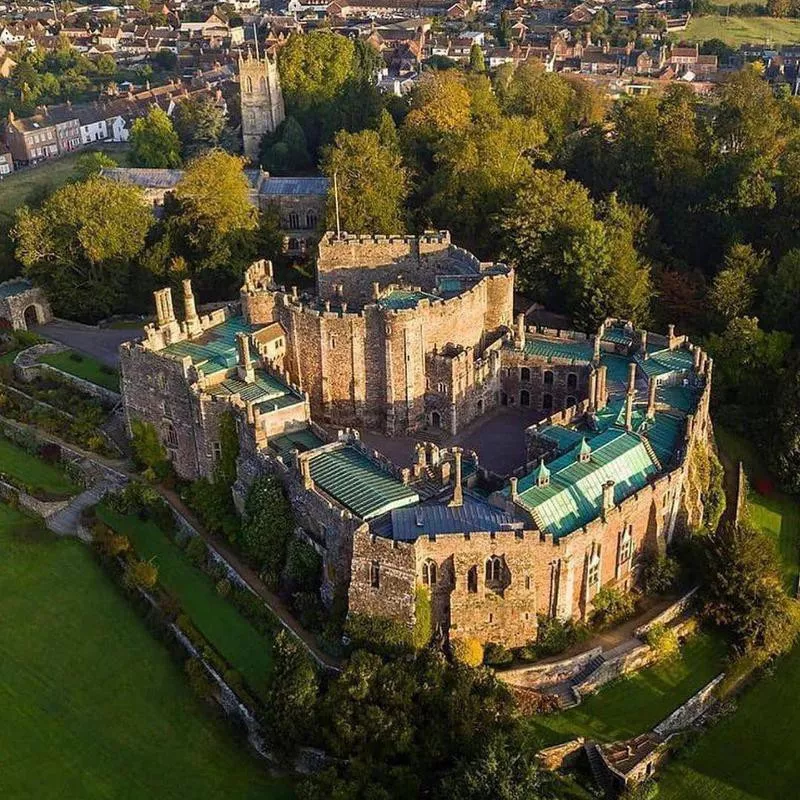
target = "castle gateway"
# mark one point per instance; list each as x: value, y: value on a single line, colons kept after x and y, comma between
x: 414, y: 338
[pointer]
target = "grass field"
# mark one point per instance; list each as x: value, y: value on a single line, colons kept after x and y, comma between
x: 635, y: 704
x: 88, y: 368
x: 741, y: 30
x: 231, y: 634
x: 33, y: 472
x: 753, y: 753
x: 31, y: 182
x: 91, y: 705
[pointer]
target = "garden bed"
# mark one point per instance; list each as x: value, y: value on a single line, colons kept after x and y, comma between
x: 85, y: 367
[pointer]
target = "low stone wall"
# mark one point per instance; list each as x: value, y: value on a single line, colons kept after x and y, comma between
x: 683, y: 717
x: 42, y: 508
x: 679, y: 607
x: 27, y: 368
x: 540, y: 675
x: 561, y: 756
x: 618, y: 666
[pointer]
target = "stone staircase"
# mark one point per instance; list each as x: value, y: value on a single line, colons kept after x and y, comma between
x: 565, y: 694
x: 599, y: 770
x: 67, y: 521
x: 581, y: 676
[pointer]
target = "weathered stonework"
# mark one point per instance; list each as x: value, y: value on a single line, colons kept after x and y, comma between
x: 22, y: 305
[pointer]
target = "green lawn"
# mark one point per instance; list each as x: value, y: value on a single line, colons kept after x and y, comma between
x: 231, y: 634
x: 742, y: 30
x: 635, y: 704
x: 92, y: 707
x: 88, y: 368
x: 778, y: 514
x: 753, y: 753
x: 36, y: 474
x: 30, y: 183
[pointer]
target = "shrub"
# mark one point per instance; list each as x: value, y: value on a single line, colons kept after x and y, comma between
x: 148, y: 451
x: 196, y: 551
x: 50, y: 452
x: 77, y: 357
x: 141, y: 574
x: 612, y: 606
x: 223, y: 587
x: 495, y: 655
x: 664, y: 641
x: 467, y: 650
x: 423, y: 617
x: 303, y: 566
x: 267, y: 525
x: 660, y: 575
x: 554, y: 635
x: 379, y: 634
x: 308, y: 608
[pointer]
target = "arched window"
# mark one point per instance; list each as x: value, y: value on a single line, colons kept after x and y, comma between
x: 262, y: 84
x: 375, y: 575
x: 436, y: 419
x: 494, y: 569
x: 593, y: 576
x: 311, y: 219
x: 548, y: 377
x: 572, y: 380
x: 547, y: 402
x: 480, y: 406
x: 570, y: 401
x: 248, y: 85
x: 172, y: 437
x: 525, y: 374
x: 472, y: 580
x: 626, y: 546
x: 429, y: 573
x: 524, y: 398
x: 294, y: 220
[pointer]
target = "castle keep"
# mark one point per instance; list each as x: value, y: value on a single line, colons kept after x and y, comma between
x: 410, y: 336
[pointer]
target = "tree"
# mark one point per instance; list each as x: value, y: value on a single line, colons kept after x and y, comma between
x: 744, y: 591
x: 286, y: 151
x: 199, y: 123
x: 90, y: 165
x: 81, y: 244
x: 782, y: 295
x: 372, y: 184
x: 734, y: 287
x: 141, y: 574
x: 291, y: 697
x: 467, y: 650
x: 148, y: 450
x: 440, y: 104
x: 154, y: 142
x: 476, y: 60
x: 268, y: 523
x: 779, y: 8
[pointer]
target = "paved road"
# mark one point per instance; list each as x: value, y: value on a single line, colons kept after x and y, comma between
x: 100, y: 343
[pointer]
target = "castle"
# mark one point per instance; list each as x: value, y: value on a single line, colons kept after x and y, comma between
x: 412, y: 337
x: 261, y: 100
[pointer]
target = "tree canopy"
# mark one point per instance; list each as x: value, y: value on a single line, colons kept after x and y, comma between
x: 154, y: 142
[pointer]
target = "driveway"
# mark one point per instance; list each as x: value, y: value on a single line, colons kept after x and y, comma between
x: 100, y: 343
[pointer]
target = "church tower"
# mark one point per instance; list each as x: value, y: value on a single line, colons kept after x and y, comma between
x: 261, y: 100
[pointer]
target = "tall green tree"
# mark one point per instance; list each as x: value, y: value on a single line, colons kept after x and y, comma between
x: 782, y: 295
x: 477, y: 63
x: 267, y: 525
x: 199, y: 123
x: 154, y: 142
x: 81, y: 245
x: 734, y: 287
x: 372, y: 184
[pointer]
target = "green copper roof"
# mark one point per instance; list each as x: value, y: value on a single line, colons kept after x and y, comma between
x: 563, y: 438
x: 617, y: 335
x: 402, y: 298
x: 585, y: 450
x: 661, y: 362
x: 664, y: 434
x: 215, y: 350
x: 616, y: 368
x: 564, y: 349
x: 357, y: 483
x: 574, y: 495
x: 302, y: 440
x: 265, y: 391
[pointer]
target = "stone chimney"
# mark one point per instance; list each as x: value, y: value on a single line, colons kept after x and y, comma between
x: 597, y: 347
x: 245, y: 367
x: 629, y: 411
x: 458, y: 492
x: 519, y: 333
x: 164, y: 313
x: 193, y: 326
x: 512, y: 483
x: 643, y: 344
x: 602, y: 374
x: 697, y: 356
x: 671, y: 337
x: 305, y: 471
x: 593, y: 390
x: 632, y: 377
x: 651, y: 399
x: 608, y: 498
x: 376, y: 290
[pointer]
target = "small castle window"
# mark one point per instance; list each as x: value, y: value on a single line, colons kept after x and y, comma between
x: 172, y: 437
x: 294, y: 220
x: 311, y: 219
x: 572, y: 380
x: 594, y: 571
x: 528, y: 583
x: 440, y: 387
x: 248, y: 85
x: 375, y: 575
x: 494, y: 570
x: 548, y: 378
x: 429, y: 573
x: 524, y: 398
x: 626, y: 546
x: 332, y: 342
x: 525, y: 374
x: 167, y: 410
x: 491, y: 618
x: 547, y: 402
x: 472, y: 580
x: 216, y: 450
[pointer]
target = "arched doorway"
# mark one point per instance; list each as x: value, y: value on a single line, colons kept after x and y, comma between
x: 31, y: 316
